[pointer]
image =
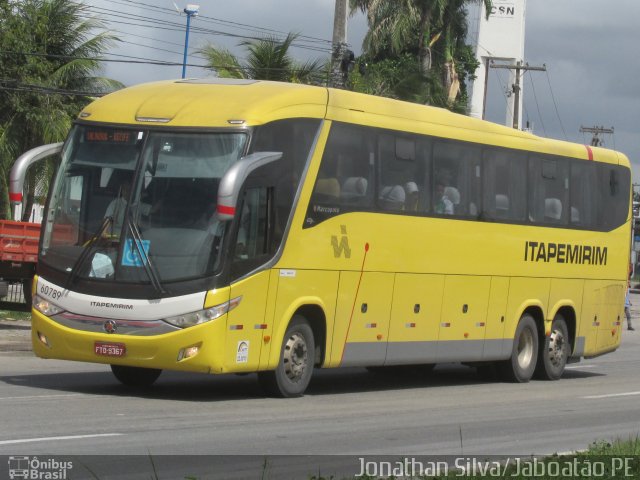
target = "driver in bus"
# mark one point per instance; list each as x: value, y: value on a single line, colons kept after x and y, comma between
x: 117, y: 207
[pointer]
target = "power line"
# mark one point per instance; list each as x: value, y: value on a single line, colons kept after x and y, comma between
x: 31, y: 88
x: 535, y: 96
x: 232, y: 24
x: 555, y: 104
x: 142, y: 61
x: 168, y: 25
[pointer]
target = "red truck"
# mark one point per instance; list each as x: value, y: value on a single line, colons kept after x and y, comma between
x: 18, y: 255
x: 19, y: 240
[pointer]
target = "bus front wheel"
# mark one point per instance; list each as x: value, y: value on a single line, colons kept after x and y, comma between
x: 524, y: 353
x: 293, y: 373
x: 135, y: 376
x: 554, y: 351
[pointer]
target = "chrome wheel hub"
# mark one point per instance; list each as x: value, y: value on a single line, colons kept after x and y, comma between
x: 295, y: 357
x: 557, y: 347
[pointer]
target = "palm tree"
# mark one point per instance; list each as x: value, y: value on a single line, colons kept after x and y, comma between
x: 51, y: 52
x: 454, y: 31
x: 267, y: 59
x: 433, y: 30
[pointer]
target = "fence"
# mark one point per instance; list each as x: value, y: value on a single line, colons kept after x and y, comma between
x: 15, y: 299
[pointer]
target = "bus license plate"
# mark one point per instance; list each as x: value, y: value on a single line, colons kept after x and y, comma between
x: 109, y: 349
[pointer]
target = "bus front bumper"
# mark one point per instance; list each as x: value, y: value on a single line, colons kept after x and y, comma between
x: 195, y: 349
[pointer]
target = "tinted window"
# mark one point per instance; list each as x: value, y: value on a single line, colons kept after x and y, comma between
x: 294, y: 138
x: 505, y: 174
x: 584, y: 197
x: 613, y: 189
x: 456, y: 179
x: 548, y: 190
x: 346, y: 178
x: 403, y: 179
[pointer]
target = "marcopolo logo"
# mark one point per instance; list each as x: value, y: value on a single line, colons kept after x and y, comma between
x: 34, y: 468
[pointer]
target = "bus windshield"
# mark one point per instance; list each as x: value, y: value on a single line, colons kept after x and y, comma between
x: 134, y: 205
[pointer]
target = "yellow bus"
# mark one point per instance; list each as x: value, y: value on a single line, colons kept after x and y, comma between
x: 224, y: 226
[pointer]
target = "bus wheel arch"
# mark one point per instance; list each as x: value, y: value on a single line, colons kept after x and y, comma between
x: 317, y: 320
x: 569, y: 315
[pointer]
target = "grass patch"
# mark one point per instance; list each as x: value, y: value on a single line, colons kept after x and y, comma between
x: 12, y: 315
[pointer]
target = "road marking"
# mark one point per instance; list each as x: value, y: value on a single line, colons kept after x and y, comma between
x: 49, y: 439
x: 43, y: 396
x: 610, y: 395
x: 579, y: 367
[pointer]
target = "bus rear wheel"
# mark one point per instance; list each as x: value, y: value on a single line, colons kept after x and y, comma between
x: 554, y: 351
x: 135, y: 376
x: 293, y: 373
x: 520, y: 367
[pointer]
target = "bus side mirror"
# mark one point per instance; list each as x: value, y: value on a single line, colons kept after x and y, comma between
x: 233, y: 179
x: 20, y: 167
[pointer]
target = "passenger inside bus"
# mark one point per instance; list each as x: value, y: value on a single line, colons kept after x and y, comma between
x: 442, y: 205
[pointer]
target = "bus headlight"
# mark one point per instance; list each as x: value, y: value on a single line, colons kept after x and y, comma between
x: 45, y: 306
x: 202, y: 316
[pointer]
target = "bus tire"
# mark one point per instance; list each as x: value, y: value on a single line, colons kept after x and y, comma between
x: 519, y: 368
x: 297, y: 353
x: 136, y: 376
x: 554, y: 351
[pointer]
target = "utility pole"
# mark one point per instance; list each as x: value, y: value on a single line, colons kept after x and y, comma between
x: 518, y: 67
x: 191, y: 11
x: 595, y: 140
x: 339, y: 44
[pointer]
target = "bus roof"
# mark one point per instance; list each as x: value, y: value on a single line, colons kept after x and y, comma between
x: 215, y: 103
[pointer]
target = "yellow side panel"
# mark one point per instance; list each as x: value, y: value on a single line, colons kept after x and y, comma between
x: 415, y: 318
x: 464, y: 311
x: 297, y: 288
x: 612, y: 312
x: 267, y: 345
x: 245, y: 324
x: 417, y: 299
x: 589, y: 321
x: 496, y: 319
x: 602, y: 311
x: 366, y: 332
x: 565, y: 293
x: 523, y: 293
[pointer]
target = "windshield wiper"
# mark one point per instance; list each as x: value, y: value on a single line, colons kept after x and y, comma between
x: 86, y: 250
x: 146, y: 260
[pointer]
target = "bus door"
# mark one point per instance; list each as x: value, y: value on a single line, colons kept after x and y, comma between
x: 415, y: 319
x: 246, y: 324
x: 463, y: 321
x: 362, y: 318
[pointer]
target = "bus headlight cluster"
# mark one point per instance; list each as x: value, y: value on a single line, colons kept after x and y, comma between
x: 45, y: 306
x: 202, y: 316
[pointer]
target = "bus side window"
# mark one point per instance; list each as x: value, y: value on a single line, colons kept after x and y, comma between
x: 548, y: 190
x: 345, y: 179
x: 504, y: 180
x: 614, y: 192
x: 456, y: 178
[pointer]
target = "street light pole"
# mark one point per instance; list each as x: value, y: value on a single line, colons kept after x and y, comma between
x: 191, y: 11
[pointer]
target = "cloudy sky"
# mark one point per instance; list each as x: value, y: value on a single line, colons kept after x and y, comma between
x: 588, y: 47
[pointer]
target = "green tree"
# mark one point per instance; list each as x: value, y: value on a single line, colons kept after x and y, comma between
x: 49, y: 55
x: 433, y: 33
x: 267, y: 59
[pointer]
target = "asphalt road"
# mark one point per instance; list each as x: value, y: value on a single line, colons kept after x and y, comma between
x: 50, y: 407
